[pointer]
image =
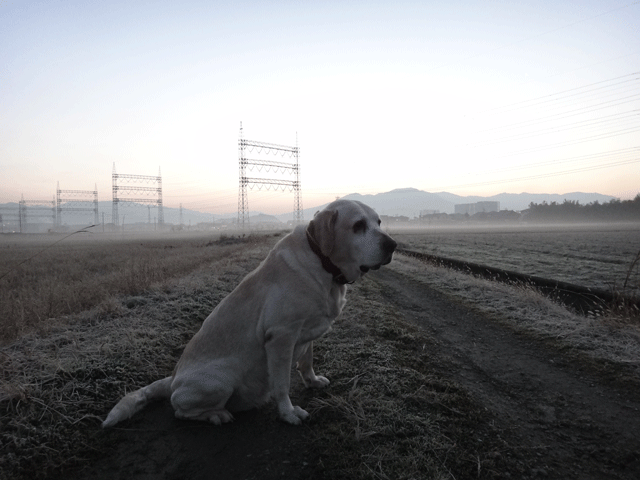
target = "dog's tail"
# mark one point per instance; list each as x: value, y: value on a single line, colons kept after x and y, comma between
x: 136, y: 401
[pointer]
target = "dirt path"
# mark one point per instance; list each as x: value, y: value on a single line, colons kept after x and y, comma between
x: 556, y: 417
x: 577, y: 424
x: 156, y: 445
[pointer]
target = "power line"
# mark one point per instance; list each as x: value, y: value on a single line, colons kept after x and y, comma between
x: 579, y: 141
x: 607, y: 119
x: 566, y: 114
x: 620, y: 154
x: 546, y: 175
x: 547, y: 98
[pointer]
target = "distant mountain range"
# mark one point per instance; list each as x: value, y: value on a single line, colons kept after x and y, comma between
x: 408, y: 202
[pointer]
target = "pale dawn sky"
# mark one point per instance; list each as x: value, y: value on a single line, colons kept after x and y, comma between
x: 473, y: 98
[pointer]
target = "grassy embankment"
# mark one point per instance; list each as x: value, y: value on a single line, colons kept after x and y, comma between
x: 127, y: 312
x: 388, y: 414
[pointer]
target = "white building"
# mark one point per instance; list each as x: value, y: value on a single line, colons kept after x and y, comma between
x: 478, y: 207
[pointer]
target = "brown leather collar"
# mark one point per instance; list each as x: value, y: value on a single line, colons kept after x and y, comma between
x: 327, y: 264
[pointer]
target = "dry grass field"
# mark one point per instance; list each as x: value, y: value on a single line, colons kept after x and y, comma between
x: 412, y: 394
x: 41, y: 280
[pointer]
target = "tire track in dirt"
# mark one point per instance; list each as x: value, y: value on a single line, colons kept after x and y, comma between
x: 557, y: 416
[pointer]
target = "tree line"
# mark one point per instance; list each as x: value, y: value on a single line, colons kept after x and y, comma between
x: 612, y: 211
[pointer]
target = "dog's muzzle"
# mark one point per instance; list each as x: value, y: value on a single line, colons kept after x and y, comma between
x: 388, y: 247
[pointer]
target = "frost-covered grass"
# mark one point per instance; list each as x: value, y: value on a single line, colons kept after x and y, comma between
x: 58, y: 383
x: 594, y: 256
x: 521, y: 307
x: 388, y: 413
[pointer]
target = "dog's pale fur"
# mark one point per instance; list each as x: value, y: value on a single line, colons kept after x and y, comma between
x: 242, y: 355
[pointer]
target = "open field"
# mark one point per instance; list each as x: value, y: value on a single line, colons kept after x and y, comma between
x: 590, y: 255
x: 435, y: 374
x: 42, y: 280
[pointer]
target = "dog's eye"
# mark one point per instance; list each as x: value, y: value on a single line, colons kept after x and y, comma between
x: 379, y: 222
x: 359, y: 226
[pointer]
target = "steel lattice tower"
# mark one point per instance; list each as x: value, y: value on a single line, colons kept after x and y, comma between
x: 9, y: 215
x: 243, y: 200
x: 74, y: 197
x: 250, y: 146
x: 36, y: 209
x: 297, y: 199
x: 121, y: 193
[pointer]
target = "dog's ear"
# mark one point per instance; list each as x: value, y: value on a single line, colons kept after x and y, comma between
x: 323, y: 230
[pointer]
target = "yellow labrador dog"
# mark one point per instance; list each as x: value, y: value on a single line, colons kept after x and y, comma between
x: 242, y: 355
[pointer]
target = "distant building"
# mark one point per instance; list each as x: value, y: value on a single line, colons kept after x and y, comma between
x: 478, y: 207
x: 486, y: 207
x: 386, y: 219
x: 465, y: 208
x: 424, y: 213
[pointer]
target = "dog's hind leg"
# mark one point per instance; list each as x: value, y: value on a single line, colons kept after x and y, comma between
x: 202, y: 396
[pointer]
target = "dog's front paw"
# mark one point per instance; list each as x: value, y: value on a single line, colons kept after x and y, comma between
x: 295, y: 416
x: 316, y: 382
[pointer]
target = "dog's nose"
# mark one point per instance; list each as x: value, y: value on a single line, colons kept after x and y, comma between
x: 389, y: 245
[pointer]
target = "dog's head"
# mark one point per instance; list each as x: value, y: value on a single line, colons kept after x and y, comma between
x: 349, y: 234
